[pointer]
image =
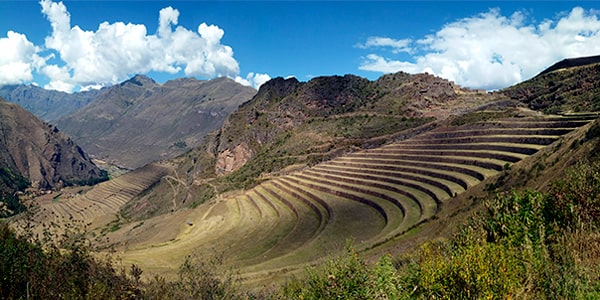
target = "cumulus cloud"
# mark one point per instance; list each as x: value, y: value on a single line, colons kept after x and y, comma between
x: 254, y: 80
x: 492, y: 51
x: 116, y: 50
x: 18, y: 60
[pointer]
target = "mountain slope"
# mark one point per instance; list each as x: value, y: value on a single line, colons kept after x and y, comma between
x: 302, y: 167
x: 139, y: 120
x: 47, y: 105
x: 39, y: 152
x: 567, y: 88
x: 290, y: 125
x: 304, y: 123
x: 572, y: 62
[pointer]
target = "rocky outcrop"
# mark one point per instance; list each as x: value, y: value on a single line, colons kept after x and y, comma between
x: 40, y: 152
x: 231, y: 160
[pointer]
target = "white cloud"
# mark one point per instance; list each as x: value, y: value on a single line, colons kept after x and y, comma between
x: 18, y: 60
x: 492, y: 51
x: 254, y: 80
x: 117, y: 50
x: 396, y: 46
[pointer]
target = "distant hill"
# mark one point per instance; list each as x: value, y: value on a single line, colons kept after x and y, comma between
x: 575, y: 88
x: 139, y: 120
x: 572, y: 62
x: 34, y: 151
x: 47, y: 105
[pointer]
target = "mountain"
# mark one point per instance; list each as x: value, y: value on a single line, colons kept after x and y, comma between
x: 303, y: 166
x: 139, y: 120
x: 572, y: 62
x: 326, y: 116
x: 37, y: 152
x: 289, y: 125
x: 47, y: 105
x: 572, y: 85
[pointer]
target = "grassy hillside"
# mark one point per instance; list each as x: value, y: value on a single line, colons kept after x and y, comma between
x: 575, y: 89
x: 516, y: 244
x: 10, y: 185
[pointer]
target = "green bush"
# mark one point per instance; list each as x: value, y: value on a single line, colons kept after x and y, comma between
x: 30, y: 271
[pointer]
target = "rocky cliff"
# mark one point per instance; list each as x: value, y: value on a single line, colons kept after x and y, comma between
x: 40, y: 152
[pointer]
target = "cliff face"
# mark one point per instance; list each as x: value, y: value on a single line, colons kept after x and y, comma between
x: 39, y: 152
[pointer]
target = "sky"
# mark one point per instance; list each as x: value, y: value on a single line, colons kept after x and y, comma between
x: 78, y: 45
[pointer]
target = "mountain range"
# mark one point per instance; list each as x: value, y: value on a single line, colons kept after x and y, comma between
x: 139, y: 120
x: 48, y: 105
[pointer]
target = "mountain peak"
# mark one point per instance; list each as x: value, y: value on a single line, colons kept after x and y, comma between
x: 277, y: 88
x: 139, y: 80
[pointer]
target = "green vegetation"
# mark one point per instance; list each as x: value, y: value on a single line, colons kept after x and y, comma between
x: 103, y: 176
x: 574, y: 89
x: 10, y: 184
x: 38, y: 269
x: 32, y: 269
x: 180, y: 144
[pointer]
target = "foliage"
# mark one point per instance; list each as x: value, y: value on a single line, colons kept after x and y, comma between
x: 198, y: 278
x: 30, y: 270
x: 574, y: 202
x: 103, y: 176
x: 10, y: 183
x: 346, y: 277
x: 593, y: 132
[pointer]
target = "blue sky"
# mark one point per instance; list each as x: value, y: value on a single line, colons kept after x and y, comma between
x: 75, y: 45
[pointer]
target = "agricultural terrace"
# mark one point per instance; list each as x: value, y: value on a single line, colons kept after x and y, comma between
x: 370, y: 196
x: 98, y: 206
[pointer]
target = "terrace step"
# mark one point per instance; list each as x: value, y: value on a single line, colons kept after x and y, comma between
x: 437, y: 173
x: 447, y: 186
x: 492, y: 131
x: 528, y: 139
x: 526, y: 149
x: 427, y: 200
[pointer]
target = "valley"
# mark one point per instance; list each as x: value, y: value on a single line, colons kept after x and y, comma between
x: 373, y: 196
x: 301, y: 169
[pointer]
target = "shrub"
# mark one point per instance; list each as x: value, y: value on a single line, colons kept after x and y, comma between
x: 574, y: 202
x: 198, y: 278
